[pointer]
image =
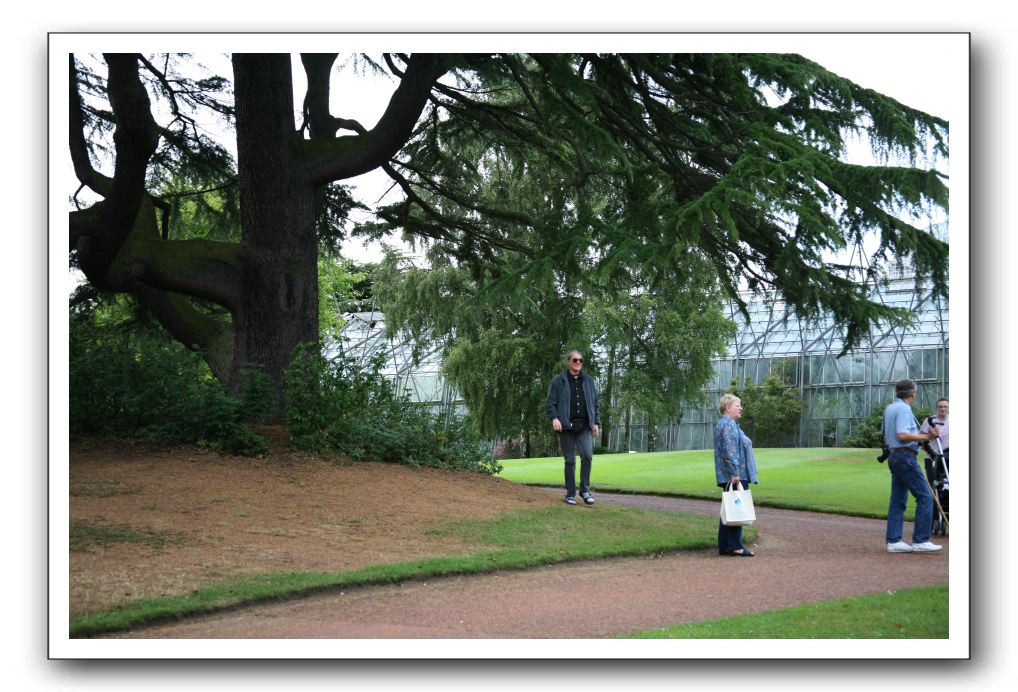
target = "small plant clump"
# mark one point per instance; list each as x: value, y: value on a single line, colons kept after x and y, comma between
x: 333, y: 405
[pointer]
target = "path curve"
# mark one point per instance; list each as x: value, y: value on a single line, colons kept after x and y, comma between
x: 801, y: 557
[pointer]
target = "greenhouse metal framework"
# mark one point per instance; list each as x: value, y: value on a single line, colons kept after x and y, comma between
x: 420, y: 378
x: 837, y: 391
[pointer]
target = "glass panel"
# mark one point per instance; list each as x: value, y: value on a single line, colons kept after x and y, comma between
x: 915, y: 365
x: 428, y: 388
x: 724, y: 375
x: 787, y: 369
x: 844, y: 404
x: 747, y: 370
x: 844, y: 429
x: 899, y: 368
x: 857, y: 405
x: 817, y: 370
x: 815, y: 434
x: 881, y: 364
x: 930, y: 358
x: 830, y: 433
x: 830, y: 370
x: 858, y: 369
x: 640, y: 439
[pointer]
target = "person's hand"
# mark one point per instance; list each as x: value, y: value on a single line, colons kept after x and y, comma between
x: 934, y: 433
x: 595, y: 431
x: 556, y: 425
x: 736, y: 481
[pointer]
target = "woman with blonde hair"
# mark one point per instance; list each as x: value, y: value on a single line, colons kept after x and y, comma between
x: 733, y: 464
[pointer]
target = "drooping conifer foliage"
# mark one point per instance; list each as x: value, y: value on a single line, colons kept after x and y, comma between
x: 643, y: 160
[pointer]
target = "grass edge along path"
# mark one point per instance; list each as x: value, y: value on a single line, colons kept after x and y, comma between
x: 823, y: 479
x: 917, y: 613
x: 512, y: 541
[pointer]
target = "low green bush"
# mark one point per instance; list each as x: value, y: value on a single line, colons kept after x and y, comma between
x: 335, y: 405
x: 136, y: 383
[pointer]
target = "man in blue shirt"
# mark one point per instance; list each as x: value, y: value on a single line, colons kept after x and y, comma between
x: 902, y: 436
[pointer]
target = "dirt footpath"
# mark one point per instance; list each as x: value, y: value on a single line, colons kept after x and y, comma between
x: 801, y: 557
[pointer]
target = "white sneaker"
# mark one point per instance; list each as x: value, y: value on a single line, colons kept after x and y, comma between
x: 899, y: 547
x: 926, y: 547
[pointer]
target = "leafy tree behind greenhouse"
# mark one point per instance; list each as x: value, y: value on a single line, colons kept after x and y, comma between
x: 771, y: 411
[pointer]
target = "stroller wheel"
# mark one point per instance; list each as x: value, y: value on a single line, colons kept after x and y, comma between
x: 938, y: 525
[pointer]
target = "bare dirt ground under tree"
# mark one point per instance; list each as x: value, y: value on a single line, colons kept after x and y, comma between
x: 148, y: 522
x: 193, y: 518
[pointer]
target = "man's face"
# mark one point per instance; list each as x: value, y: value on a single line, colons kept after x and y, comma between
x: 942, y: 411
x: 575, y: 363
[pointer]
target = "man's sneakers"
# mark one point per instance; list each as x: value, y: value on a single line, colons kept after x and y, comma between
x: 587, y: 497
x: 903, y: 547
x: 570, y: 500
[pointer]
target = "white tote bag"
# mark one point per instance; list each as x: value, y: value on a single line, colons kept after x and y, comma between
x: 737, y: 506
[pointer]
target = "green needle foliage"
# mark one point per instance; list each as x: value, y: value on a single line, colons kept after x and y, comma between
x: 589, y: 161
x: 543, y: 176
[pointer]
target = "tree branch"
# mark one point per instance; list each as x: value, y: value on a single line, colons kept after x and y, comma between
x: 86, y: 174
x: 202, y: 268
x: 135, y: 138
x: 212, y: 336
x: 318, y: 69
x: 346, y: 157
x: 171, y: 93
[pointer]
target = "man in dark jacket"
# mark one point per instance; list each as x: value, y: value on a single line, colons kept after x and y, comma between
x: 575, y: 415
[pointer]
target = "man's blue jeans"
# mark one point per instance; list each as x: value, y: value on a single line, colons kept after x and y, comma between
x: 573, y: 442
x: 907, y: 477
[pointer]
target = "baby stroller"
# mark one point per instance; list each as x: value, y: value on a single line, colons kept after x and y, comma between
x: 940, y: 482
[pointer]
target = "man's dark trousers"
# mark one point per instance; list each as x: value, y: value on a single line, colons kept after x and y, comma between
x: 577, y: 440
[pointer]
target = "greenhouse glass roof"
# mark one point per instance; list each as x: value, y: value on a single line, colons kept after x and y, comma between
x: 772, y: 332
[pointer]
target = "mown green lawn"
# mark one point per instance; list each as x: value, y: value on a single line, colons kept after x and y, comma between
x: 844, y: 481
x: 920, y: 613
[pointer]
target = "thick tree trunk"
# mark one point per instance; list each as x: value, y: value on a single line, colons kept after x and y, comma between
x: 279, y: 247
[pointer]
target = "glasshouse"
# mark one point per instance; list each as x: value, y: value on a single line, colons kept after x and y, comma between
x: 836, y: 391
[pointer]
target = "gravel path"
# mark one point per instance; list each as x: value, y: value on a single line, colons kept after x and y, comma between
x: 801, y: 557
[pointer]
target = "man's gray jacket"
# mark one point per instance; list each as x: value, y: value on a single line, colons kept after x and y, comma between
x: 557, y: 405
